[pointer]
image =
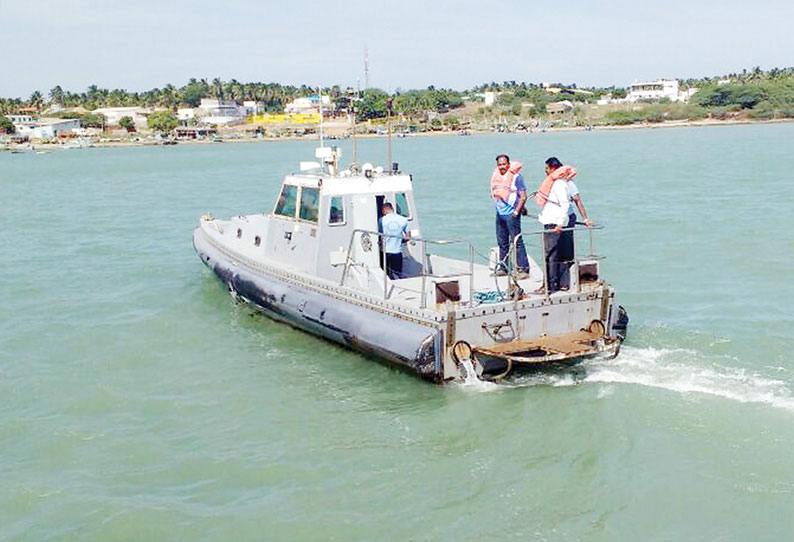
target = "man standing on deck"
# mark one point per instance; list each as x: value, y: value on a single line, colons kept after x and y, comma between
x: 394, y: 229
x: 509, y: 194
x: 554, y: 218
x: 565, y: 246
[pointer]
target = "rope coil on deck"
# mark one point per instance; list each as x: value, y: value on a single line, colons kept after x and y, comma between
x: 492, y: 296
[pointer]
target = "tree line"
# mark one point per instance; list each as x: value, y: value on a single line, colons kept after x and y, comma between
x: 273, y: 95
x: 758, y: 92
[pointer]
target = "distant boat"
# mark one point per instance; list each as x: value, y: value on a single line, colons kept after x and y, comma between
x: 80, y: 143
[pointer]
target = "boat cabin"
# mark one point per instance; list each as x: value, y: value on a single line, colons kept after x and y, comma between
x: 323, y: 220
x: 316, y: 216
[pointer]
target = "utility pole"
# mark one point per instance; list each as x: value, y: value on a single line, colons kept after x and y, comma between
x: 353, y: 102
x: 320, y: 96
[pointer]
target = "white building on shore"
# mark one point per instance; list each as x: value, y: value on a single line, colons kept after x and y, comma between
x: 113, y: 115
x: 219, y: 112
x: 309, y: 105
x: 46, y: 128
x: 658, y: 90
x: 253, y: 107
x: 185, y: 114
x: 651, y: 91
x: 20, y: 119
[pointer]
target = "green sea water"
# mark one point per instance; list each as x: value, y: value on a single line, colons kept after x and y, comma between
x: 139, y: 402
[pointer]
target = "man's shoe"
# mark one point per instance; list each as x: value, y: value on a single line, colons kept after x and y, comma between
x: 500, y: 272
x: 521, y: 275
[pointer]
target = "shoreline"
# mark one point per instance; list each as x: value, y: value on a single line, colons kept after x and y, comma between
x: 36, y: 147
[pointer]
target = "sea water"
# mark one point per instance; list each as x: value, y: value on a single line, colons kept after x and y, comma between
x: 139, y: 401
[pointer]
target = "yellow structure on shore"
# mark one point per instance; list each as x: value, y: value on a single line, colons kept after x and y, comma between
x: 292, y: 118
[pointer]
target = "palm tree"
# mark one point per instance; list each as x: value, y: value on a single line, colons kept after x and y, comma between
x: 56, y: 95
x: 118, y: 98
x: 93, y: 93
x: 217, y: 88
x: 150, y: 98
x: 234, y: 90
x: 168, y: 97
x: 36, y: 99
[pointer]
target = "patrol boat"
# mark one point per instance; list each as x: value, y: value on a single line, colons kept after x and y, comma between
x: 316, y: 262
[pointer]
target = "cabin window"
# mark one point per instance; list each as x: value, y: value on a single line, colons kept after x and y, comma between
x: 287, y: 200
x: 310, y: 199
x: 402, y: 205
x: 336, y: 214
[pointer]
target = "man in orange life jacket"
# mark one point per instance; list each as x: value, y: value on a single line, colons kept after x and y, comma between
x: 557, y: 194
x: 509, y: 194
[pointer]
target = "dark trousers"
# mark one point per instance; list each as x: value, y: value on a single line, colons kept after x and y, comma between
x: 559, y: 251
x: 566, y: 252
x: 394, y: 265
x: 507, y: 228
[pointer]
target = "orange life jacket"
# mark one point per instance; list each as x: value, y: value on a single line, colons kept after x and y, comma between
x: 502, y: 185
x: 563, y: 172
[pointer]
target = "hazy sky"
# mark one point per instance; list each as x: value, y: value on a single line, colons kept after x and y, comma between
x: 141, y: 44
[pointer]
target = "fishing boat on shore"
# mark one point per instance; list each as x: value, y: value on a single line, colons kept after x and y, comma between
x: 316, y: 262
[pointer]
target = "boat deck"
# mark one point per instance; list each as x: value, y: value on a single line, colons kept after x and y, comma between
x: 574, y: 345
x: 409, y: 290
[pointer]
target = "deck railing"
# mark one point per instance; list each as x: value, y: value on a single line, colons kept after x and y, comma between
x: 424, y: 264
x: 425, y: 257
x: 573, y: 264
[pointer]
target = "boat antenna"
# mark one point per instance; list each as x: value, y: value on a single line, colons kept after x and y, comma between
x: 320, y: 98
x: 366, y: 67
x: 388, y: 130
x: 353, y: 102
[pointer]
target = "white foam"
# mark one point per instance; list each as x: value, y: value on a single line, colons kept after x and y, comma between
x: 557, y: 380
x: 678, y: 370
x: 471, y: 382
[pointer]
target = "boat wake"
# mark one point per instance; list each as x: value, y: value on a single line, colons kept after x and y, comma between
x: 677, y: 370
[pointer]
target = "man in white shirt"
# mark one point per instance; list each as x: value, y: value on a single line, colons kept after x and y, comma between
x: 565, y: 248
x: 554, y: 218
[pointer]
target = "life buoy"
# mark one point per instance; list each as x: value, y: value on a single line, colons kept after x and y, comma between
x: 502, y: 185
x: 563, y: 172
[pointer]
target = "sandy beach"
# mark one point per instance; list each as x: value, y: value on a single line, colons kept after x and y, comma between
x: 335, y: 132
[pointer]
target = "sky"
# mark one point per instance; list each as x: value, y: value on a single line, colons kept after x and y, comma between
x: 143, y: 44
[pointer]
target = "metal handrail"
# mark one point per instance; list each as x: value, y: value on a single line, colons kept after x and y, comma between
x: 575, y: 262
x: 425, y: 260
x: 512, y: 256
